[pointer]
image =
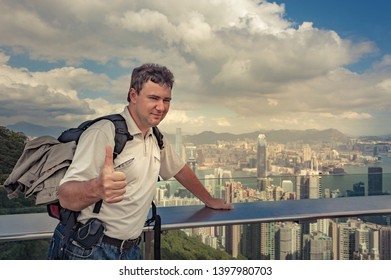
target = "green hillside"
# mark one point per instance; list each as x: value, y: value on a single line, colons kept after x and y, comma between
x: 12, y: 144
x: 176, y: 245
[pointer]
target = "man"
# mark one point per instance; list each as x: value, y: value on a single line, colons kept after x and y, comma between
x: 127, y: 184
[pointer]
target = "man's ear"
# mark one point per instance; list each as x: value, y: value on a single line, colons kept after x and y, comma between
x: 132, y: 94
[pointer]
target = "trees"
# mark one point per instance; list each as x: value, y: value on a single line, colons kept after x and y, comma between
x: 24, y: 250
x: 176, y: 245
x: 12, y: 145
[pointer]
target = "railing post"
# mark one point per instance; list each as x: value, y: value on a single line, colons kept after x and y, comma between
x: 148, y: 237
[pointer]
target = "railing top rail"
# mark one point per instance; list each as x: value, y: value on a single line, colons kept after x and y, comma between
x: 274, y: 211
x: 40, y: 225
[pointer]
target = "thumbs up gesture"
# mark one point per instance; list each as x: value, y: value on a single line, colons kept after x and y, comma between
x: 112, y: 183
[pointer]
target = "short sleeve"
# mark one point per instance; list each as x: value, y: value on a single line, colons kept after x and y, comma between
x: 170, y: 161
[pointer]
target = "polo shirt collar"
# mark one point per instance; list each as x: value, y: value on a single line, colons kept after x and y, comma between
x: 132, y: 126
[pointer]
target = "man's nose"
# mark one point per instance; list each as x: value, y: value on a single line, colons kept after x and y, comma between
x: 160, y: 105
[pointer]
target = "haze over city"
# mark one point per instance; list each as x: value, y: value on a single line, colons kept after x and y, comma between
x: 240, y: 66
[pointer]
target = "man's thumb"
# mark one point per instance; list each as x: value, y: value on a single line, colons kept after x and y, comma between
x: 109, y: 157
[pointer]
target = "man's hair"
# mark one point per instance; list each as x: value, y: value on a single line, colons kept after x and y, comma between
x: 151, y: 72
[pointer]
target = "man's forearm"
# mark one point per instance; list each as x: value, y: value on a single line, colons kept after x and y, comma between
x: 110, y: 186
x: 76, y: 196
x: 190, y: 181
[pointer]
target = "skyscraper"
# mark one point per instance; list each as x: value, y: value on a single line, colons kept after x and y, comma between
x: 268, y: 243
x: 358, y: 190
x: 317, y: 246
x: 261, y: 157
x: 309, y: 185
x: 307, y: 156
x: 232, y: 241
x: 288, y: 241
x: 375, y: 180
x: 190, y: 151
x: 178, y: 142
x: 259, y: 241
x: 287, y: 185
x: 385, y: 243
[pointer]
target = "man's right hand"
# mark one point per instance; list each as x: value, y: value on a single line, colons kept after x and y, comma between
x: 112, y: 183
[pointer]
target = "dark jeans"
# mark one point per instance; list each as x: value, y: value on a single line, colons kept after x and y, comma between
x: 100, y: 251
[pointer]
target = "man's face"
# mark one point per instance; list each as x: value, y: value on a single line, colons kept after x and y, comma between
x: 151, y: 104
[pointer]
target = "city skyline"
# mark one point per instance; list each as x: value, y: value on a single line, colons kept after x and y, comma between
x: 364, y: 238
x: 323, y: 239
x: 240, y: 66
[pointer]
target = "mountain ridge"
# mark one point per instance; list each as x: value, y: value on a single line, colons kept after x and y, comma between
x: 34, y: 130
x: 279, y: 136
x: 210, y: 137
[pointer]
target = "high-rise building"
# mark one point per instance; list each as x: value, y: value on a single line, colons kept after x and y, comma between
x: 358, y: 190
x: 268, y: 244
x: 375, y: 180
x: 232, y: 240
x: 344, y: 241
x: 258, y: 241
x: 317, y: 246
x: 264, y: 183
x: 307, y: 156
x: 361, y: 237
x: 160, y: 193
x: 246, y: 242
x: 178, y: 142
x: 210, y: 183
x: 229, y: 192
x: 288, y: 241
x: 287, y: 185
x: 190, y: 151
x: 309, y: 185
x: 374, y: 241
x: 385, y: 243
x: 261, y: 156
x: 333, y: 233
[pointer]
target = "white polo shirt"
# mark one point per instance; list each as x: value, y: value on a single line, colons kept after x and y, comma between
x: 141, y: 160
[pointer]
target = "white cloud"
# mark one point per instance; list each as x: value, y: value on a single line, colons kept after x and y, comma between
x: 177, y: 117
x: 241, y: 55
x: 348, y: 115
x: 4, y: 58
x: 222, y: 122
x: 272, y: 102
x: 49, y: 97
x: 385, y: 85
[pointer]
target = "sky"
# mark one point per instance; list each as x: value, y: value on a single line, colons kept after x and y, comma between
x: 240, y: 65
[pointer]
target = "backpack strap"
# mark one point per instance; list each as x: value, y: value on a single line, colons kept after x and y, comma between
x: 122, y: 134
x: 159, y: 137
x: 157, y: 230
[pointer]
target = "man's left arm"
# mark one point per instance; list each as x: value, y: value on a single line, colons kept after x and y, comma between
x: 190, y: 181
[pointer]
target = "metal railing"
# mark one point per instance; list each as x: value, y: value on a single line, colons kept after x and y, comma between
x: 40, y: 225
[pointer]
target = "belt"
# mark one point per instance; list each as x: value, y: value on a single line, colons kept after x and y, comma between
x: 121, y: 244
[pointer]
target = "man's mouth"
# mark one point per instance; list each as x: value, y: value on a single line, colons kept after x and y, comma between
x: 157, y: 116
